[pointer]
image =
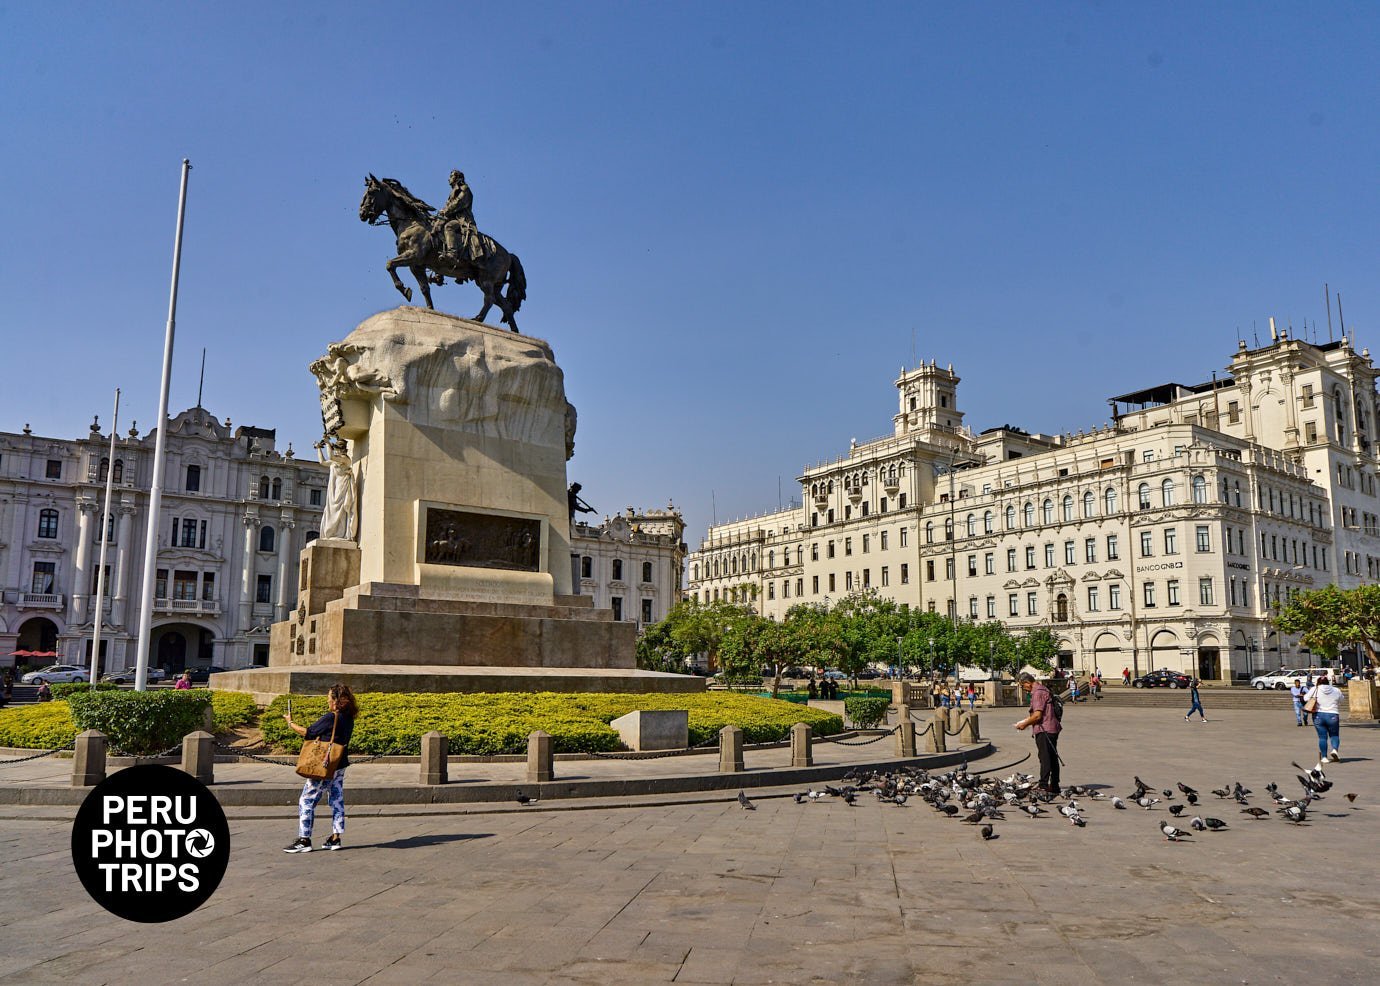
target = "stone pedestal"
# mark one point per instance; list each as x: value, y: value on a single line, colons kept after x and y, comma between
x: 1363, y: 701
x: 88, y: 760
x: 541, y: 765
x: 802, y: 742
x: 435, y: 765
x: 661, y: 729
x: 461, y: 578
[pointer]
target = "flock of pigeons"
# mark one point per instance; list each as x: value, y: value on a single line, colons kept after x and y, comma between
x: 981, y: 801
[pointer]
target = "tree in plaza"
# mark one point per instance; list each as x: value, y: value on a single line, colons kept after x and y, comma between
x: 1039, y: 648
x: 658, y: 650
x: 752, y: 643
x: 1329, y: 618
x: 869, y: 626
x: 813, y: 639
x: 699, y: 628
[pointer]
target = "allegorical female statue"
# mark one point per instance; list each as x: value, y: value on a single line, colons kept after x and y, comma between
x: 338, y: 519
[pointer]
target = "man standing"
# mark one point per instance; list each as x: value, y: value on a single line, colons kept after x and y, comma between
x: 1044, y: 723
x: 1296, y: 692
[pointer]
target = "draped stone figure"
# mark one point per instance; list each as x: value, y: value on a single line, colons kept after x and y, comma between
x: 338, y: 519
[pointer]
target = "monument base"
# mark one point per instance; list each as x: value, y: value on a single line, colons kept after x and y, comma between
x: 313, y: 679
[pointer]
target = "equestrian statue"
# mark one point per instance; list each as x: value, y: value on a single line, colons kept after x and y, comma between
x: 446, y: 243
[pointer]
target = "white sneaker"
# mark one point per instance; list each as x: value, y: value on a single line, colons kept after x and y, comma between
x: 1334, y: 756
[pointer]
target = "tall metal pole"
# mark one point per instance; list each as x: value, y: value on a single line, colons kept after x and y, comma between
x: 159, y: 455
x: 105, y: 540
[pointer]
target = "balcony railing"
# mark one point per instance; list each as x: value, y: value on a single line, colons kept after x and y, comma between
x: 40, y: 600
x: 191, y: 607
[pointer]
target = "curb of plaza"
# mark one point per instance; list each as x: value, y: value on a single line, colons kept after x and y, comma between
x: 460, y: 791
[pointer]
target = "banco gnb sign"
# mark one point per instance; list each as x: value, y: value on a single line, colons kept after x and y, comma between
x: 150, y: 843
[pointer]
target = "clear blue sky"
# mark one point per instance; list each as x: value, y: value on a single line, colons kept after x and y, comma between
x: 733, y: 217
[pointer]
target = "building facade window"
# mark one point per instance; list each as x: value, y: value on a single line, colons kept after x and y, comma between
x: 193, y: 481
x: 1171, y: 592
x: 267, y: 537
x: 905, y: 574
x: 618, y: 569
x: 646, y: 571
x: 1070, y: 553
x: 1205, y: 597
x: 1203, y: 538
x: 586, y: 567
x: 53, y: 470
x: 1143, y: 496
x: 1013, y: 606
x: 1112, y: 548
x: 1171, y: 541
x: 1148, y: 591
x: 1090, y: 550
x: 1092, y: 599
x: 646, y: 611
x: 264, y: 589
x: 44, y: 577
x: 1114, y: 596
x: 1147, y: 544
x: 617, y: 606
x: 48, y: 523
x: 1032, y: 604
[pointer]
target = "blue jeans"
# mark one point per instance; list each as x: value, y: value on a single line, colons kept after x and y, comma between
x: 334, y: 789
x: 1328, y: 725
x: 1197, y: 707
x: 1298, y: 712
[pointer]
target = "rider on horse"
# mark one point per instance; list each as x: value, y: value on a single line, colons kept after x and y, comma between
x: 463, y: 244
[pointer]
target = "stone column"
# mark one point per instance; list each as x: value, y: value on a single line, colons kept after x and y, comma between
x: 246, y: 620
x: 199, y: 755
x: 905, y: 737
x: 280, y: 608
x: 122, y: 556
x: 540, y: 760
x: 435, y: 749
x: 81, y: 575
x: 731, y: 750
x: 88, y: 760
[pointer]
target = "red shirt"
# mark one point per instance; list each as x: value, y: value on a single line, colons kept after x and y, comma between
x: 1039, y: 702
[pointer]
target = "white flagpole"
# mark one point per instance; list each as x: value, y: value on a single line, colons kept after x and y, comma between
x: 141, y: 672
x: 105, y: 540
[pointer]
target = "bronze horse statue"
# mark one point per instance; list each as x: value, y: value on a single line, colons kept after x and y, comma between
x: 421, y: 247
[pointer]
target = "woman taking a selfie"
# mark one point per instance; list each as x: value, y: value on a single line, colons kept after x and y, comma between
x: 335, y: 726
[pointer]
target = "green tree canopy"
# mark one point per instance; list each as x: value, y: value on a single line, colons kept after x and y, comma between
x: 1331, y: 618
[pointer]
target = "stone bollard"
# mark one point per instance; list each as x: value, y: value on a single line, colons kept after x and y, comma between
x: 802, y: 738
x: 934, y: 736
x: 1362, y: 701
x: 905, y: 733
x: 968, y: 728
x: 435, y: 749
x: 539, y: 759
x: 88, y: 762
x: 731, y: 750
x: 199, y: 756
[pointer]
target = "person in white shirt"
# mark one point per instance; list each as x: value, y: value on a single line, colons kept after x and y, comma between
x: 1326, y: 718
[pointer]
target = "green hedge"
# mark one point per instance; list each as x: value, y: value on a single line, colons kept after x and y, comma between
x: 45, y: 726
x: 491, y: 724
x: 66, y: 688
x: 231, y: 709
x: 866, y: 712
x: 141, y: 722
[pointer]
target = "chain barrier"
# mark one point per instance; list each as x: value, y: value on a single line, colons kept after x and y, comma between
x: 254, y: 756
x: 46, y: 753
x: 866, y: 742
x: 149, y: 756
x: 631, y: 755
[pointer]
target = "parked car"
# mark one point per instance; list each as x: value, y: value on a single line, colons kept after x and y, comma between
x: 126, y: 677
x: 1163, y: 678
x: 55, y: 673
x: 202, y: 675
x: 1281, y: 680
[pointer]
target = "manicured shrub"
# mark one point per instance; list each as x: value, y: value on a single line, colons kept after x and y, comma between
x: 491, y: 724
x: 141, y: 722
x: 45, y: 726
x: 63, y: 689
x: 866, y: 712
x: 231, y: 709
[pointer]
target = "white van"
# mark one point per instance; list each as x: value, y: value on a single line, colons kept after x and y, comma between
x: 1284, y: 680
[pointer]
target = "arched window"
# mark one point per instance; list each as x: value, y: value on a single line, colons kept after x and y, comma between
x: 972, y: 524
x: 1236, y: 490
x: 1199, y: 489
x: 277, y: 489
x: 771, y: 559
x: 987, y: 522
x: 929, y: 532
x: 1340, y: 412
x: 1143, y: 496
x: 48, y: 523
x: 312, y: 536
x: 1167, y: 492
x: 1068, y: 508
x: 103, y: 471
x: 193, y: 484
x: 1061, y: 608
x: 1028, y: 512
x: 1047, y: 512
x: 618, y: 568
x: 266, y: 538
x: 646, y: 571
x: 695, y: 572
x: 1010, y: 518
x: 119, y: 476
x: 949, y: 529
x: 263, y: 487
x: 1088, y: 503
x: 732, y: 564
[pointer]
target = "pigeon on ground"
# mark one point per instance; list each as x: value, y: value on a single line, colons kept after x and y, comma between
x: 523, y: 799
x: 1171, y: 833
x: 1196, y: 824
x: 1176, y: 810
x: 799, y: 798
x: 1255, y: 812
x: 1191, y: 797
x: 1167, y: 793
x: 1294, y: 813
x: 1351, y: 798
x: 1147, y: 802
x: 1118, y: 803
x: 1187, y: 791
x: 1034, y: 811
x: 745, y: 803
x: 1221, y: 792
x: 1216, y: 824
x: 975, y: 817
x: 986, y: 832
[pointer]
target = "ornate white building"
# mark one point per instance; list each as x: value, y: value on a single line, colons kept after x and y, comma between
x: 632, y: 563
x: 1161, y: 540
x: 234, y: 516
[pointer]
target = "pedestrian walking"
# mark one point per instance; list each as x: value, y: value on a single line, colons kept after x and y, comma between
x: 1043, y: 721
x: 1297, y: 693
x: 1326, y: 702
x: 337, y: 726
x: 1097, y: 686
x: 1197, y: 701
x: 972, y: 697
x: 1126, y: 677
x: 184, y: 681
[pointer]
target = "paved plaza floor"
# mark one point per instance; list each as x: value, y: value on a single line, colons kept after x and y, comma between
x: 701, y: 891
